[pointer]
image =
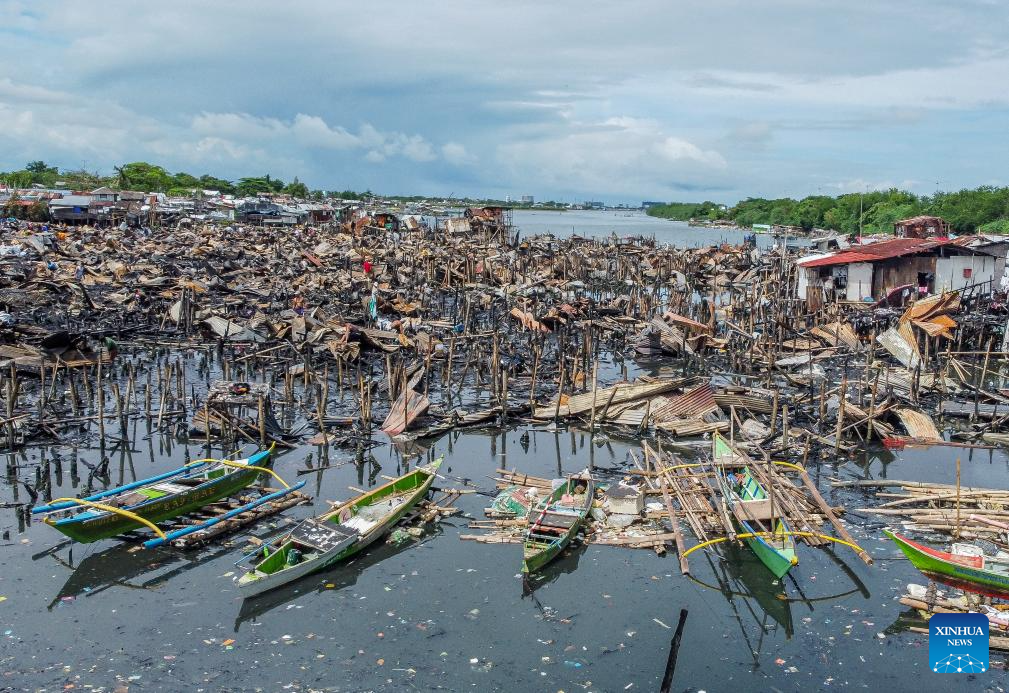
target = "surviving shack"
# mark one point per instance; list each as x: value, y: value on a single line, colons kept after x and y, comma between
x: 873, y: 271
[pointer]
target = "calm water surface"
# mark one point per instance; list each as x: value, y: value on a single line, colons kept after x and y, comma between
x: 601, y: 224
x: 444, y: 614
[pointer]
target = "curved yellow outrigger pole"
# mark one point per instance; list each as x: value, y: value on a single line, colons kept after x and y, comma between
x: 747, y: 535
x: 229, y: 463
x: 690, y: 465
x: 147, y: 523
x: 107, y: 508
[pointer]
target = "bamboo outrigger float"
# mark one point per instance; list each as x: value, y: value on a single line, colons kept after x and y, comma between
x: 326, y: 539
x: 146, y: 502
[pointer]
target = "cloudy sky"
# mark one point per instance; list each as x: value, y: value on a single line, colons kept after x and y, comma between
x: 619, y: 101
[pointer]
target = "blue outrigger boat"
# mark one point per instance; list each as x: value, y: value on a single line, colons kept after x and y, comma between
x: 148, y: 501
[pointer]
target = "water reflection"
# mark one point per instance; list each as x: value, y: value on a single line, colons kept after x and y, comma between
x: 120, y: 566
x: 760, y: 604
x: 332, y: 579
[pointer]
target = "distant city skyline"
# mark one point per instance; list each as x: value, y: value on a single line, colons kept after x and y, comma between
x: 638, y: 101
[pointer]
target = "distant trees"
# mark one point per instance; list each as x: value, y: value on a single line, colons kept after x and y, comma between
x: 148, y: 177
x: 42, y: 174
x: 143, y: 176
x: 225, y: 187
x: 684, y: 211
x: 985, y: 208
x: 296, y: 189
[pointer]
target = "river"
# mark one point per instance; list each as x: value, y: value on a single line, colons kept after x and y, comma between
x: 601, y: 224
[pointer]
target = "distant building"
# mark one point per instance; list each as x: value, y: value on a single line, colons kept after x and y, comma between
x: 104, y: 194
x: 593, y: 204
x: 528, y: 199
x: 646, y: 204
x: 72, y: 208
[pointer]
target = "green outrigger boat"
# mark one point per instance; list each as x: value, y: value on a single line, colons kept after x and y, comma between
x: 149, y: 501
x: 554, y: 522
x: 753, y: 510
x: 981, y: 574
x: 338, y: 534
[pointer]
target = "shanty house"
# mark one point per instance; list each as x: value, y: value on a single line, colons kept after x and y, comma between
x: 490, y: 220
x: 870, y: 272
x: 921, y: 227
x: 71, y: 208
x: 104, y: 194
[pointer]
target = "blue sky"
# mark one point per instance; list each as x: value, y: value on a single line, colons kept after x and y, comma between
x: 643, y: 99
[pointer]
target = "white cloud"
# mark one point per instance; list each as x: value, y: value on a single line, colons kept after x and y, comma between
x: 775, y: 89
x: 455, y: 153
x: 856, y: 185
x: 621, y: 154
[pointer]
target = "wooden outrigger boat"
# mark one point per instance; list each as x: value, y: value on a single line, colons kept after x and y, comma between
x: 555, y: 521
x: 338, y: 534
x: 768, y: 534
x: 987, y: 575
x: 148, y: 501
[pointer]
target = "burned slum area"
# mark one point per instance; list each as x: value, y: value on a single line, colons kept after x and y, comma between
x: 712, y: 396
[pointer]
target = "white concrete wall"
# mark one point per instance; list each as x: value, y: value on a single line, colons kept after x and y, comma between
x: 949, y: 271
x: 804, y: 276
x: 859, y: 281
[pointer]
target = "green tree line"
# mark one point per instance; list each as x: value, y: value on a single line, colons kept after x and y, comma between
x: 146, y: 177
x: 984, y: 209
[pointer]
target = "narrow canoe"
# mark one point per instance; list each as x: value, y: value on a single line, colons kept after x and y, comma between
x: 336, y: 535
x: 555, y: 521
x: 753, y: 512
x: 981, y: 574
x: 155, y: 499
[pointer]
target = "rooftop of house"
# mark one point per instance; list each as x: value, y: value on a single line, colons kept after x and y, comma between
x: 886, y: 250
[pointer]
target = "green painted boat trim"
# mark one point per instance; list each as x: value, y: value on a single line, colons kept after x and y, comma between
x: 539, y: 549
x: 778, y: 560
x: 961, y: 571
x: 776, y: 552
x: 417, y: 482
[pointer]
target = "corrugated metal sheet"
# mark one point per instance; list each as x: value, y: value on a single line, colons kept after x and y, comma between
x: 671, y: 339
x: 875, y: 252
x: 753, y: 403
x: 228, y: 329
x: 838, y: 332
x: 692, y: 427
x: 697, y: 402
x: 917, y: 424
x: 892, y: 341
x: 625, y: 392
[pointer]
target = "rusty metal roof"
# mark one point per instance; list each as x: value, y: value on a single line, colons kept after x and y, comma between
x: 885, y: 250
x: 693, y: 403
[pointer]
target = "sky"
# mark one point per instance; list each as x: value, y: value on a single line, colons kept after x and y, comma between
x: 613, y: 101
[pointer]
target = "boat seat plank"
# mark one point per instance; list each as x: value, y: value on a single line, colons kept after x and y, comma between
x: 322, y: 537
x: 558, y: 520
x: 749, y: 510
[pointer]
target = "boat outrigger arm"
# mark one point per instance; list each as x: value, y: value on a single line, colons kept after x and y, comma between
x: 746, y: 535
x: 70, y: 502
x: 264, y: 470
x: 192, y: 529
